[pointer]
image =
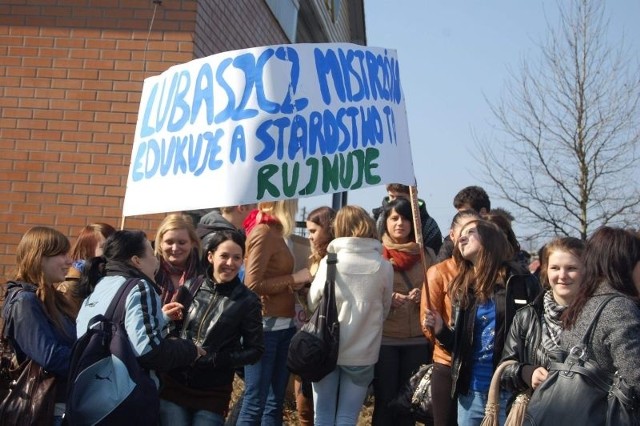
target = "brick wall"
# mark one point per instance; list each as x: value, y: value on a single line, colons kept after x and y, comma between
x: 71, y: 74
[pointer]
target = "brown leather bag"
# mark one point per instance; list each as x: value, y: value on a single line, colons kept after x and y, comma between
x: 31, y: 397
x: 27, y: 391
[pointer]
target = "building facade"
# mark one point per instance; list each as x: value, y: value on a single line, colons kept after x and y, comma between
x: 71, y: 76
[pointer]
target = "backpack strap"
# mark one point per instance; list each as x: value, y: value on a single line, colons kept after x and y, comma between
x: 116, y: 310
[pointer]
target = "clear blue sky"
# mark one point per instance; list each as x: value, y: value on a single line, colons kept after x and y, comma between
x: 452, y: 54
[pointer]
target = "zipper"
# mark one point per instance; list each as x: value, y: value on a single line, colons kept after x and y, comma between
x: 198, y: 340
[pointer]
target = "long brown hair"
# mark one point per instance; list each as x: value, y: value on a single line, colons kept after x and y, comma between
x: 609, y: 258
x: 323, y: 217
x: 490, y: 268
x: 36, y: 244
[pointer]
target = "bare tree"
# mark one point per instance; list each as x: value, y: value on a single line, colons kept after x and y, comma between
x: 571, y: 127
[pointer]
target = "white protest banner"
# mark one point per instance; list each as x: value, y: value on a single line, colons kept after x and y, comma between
x: 268, y: 123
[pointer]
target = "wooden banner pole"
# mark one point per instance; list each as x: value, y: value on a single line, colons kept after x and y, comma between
x: 417, y: 225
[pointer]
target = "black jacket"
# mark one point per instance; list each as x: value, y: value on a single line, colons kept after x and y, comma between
x: 226, y: 320
x: 524, y: 344
x: 519, y: 290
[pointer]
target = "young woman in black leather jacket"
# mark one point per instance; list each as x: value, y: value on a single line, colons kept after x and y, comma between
x: 534, y: 337
x: 224, y: 317
x: 485, y: 295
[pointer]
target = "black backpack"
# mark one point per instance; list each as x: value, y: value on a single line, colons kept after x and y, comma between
x: 106, y: 383
x: 313, y: 352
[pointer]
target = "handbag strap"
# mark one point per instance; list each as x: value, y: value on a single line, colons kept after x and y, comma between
x: 406, y: 279
x: 116, y: 310
x: 332, y: 259
x: 599, y: 309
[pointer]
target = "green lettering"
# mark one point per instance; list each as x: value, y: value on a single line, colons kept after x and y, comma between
x: 264, y: 184
x: 330, y: 173
x: 358, y: 156
x: 313, y: 177
x: 289, y: 187
x: 370, y: 155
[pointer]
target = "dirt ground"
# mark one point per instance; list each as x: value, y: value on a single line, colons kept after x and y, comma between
x: 290, y: 413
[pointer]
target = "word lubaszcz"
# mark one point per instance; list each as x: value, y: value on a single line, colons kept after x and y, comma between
x: 353, y: 75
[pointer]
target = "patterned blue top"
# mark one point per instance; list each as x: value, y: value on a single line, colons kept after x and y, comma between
x: 484, y: 332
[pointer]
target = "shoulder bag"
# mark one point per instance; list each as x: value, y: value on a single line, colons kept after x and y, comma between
x: 414, y: 397
x: 313, y: 351
x: 577, y: 391
x: 28, y: 390
x: 492, y: 409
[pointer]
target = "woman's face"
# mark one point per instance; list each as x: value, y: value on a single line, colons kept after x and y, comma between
x: 317, y: 234
x: 99, y: 245
x: 564, y: 272
x: 176, y: 246
x: 226, y: 261
x: 55, y: 268
x: 454, y: 234
x: 148, y: 263
x: 470, y: 243
x: 398, y: 227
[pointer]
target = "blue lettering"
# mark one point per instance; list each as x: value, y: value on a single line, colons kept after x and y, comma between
x: 203, y: 93
x: 330, y: 127
x: 152, y: 145
x: 179, y: 104
x: 326, y: 64
x: 180, y: 162
x: 298, y: 139
x: 227, y: 112
x: 246, y: 63
x: 262, y: 133
x: 167, y: 157
x: 290, y: 54
x: 316, y: 137
x: 238, y: 145
x: 136, y: 174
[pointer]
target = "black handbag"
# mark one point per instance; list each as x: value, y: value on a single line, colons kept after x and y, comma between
x: 414, y: 397
x: 579, y: 392
x: 313, y: 351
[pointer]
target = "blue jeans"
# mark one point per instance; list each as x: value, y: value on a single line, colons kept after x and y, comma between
x: 471, y: 408
x: 266, y: 382
x: 172, y: 414
x: 337, y: 400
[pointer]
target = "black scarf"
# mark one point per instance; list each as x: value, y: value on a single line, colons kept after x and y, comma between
x: 123, y: 269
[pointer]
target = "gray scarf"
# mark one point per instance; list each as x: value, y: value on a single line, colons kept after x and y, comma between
x: 551, y: 324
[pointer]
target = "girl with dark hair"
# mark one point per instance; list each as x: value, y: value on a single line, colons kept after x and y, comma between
x: 485, y: 295
x: 534, y: 338
x: 403, y: 347
x: 225, y: 318
x: 439, y: 276
x: 611, y: 266
x: 128, y: 255
x: 38, y: 319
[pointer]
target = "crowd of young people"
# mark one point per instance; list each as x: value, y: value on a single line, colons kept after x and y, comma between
x: 218, y: 298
